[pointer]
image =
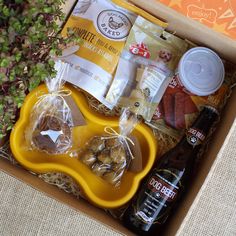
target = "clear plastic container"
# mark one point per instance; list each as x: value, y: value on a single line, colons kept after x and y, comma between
x: 201, y: 71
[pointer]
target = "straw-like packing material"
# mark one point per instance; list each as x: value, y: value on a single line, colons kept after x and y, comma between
x: 62, y: 181
x: 99, y: 107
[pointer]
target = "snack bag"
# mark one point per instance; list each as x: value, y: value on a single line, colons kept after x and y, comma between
x: 50, y: 124
x: 109, y: 155
x: 179, y: 44
x: 147, y: 62
x: 103, y: 26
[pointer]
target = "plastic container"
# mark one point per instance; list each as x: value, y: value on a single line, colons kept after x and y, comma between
x: 95, y: 188
x: 201, y: 71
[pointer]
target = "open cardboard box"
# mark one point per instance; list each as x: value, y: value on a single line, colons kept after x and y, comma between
x: 197, y: 33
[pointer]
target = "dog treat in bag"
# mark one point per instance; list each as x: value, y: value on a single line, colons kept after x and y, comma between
x: 145, y: 68
x: 179, y: 108
x: 110, y: 155
x: 50, y: 127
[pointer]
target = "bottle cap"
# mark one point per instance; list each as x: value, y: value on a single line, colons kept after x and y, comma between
x: 201, y: 71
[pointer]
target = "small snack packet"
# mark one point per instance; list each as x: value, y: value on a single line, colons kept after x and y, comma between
x: 109, y: 155
x: 50, y: 127
x: 145, y: 68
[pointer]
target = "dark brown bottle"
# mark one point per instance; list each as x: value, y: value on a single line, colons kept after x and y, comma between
x: 167, y: 181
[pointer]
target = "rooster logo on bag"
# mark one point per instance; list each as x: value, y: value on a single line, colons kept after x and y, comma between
x: 113, y: 24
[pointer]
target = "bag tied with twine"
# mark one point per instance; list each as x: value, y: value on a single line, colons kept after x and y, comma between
x: 110, y: 154
x: 50, y: 124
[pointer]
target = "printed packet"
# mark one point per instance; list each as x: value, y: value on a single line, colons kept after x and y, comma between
x: 145, y: 68
x: 103, y: 27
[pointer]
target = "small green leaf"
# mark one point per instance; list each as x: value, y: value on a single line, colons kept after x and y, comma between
x: 19, y: 105
x: 47, y: 9
x: 9, y: 127
x: 4, y: 63
x: 18, y: 57
x: 51, y: 62
x: 6, y: 11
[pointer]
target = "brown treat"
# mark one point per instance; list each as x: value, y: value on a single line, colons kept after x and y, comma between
x: 104, y: 157
x: 97, y: 144
x: 189, y: 106
x: 179, y: 110
x: 112, y: 142
x: 52, y: 135
x: 118, y: 154
x: 112, y: 177
x: 88, y: 157
x: 99, y: 169
x: 168, y: 107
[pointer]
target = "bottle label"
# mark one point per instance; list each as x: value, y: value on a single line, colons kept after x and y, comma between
x: 162, y: 188
x: 155, y: 202
x: 195, y: 137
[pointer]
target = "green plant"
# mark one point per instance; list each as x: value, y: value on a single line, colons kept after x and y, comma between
x: 29, y: 36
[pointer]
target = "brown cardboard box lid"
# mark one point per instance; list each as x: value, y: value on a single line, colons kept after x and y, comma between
x: 195, y: 32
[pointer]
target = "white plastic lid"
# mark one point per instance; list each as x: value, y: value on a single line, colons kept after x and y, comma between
x: 201, y: 71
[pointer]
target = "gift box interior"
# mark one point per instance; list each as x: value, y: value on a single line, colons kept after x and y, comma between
x: 200, y: 34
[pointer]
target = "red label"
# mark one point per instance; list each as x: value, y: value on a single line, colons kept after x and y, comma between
x: 140, y: 49
x: 197, y: 133
x: 195, y: 137
x: 162, y: 189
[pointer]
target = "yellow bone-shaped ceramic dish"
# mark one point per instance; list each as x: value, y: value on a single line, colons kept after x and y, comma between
x: 96, y: 189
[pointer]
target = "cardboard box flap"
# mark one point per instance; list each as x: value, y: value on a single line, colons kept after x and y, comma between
x: 191, y: 29
x: 219, y: 15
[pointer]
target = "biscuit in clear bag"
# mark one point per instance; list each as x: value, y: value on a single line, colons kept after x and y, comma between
x: 110, y: 155
x: 50, y: 127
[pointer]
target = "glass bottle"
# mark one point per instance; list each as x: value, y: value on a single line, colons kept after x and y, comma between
x: 167, y: 181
